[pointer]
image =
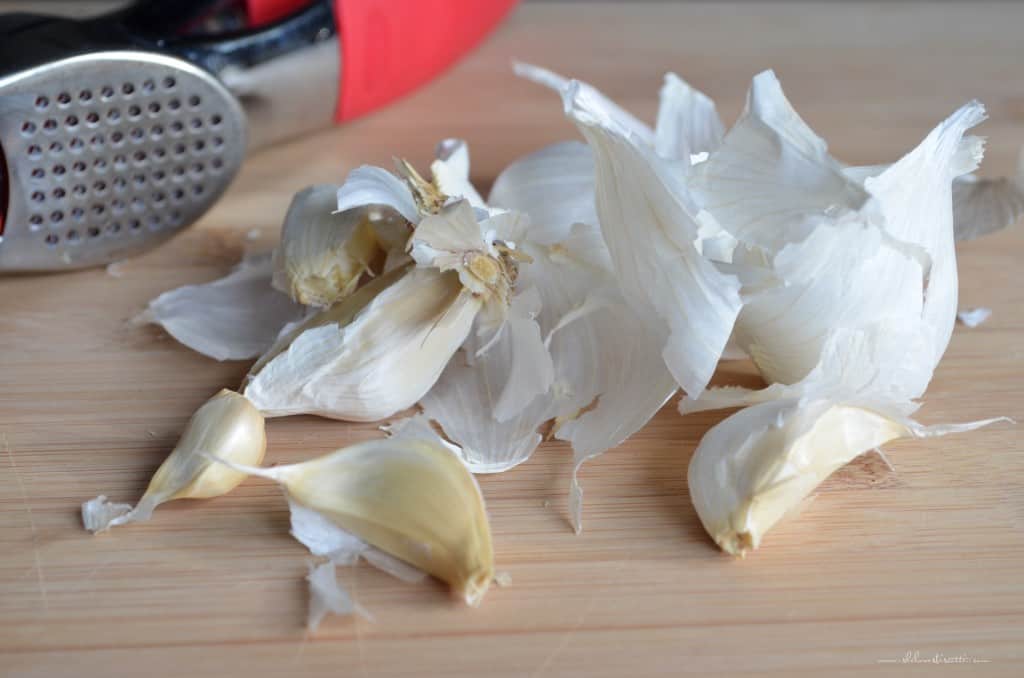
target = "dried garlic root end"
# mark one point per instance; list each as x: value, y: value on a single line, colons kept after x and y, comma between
x: 227, y: 425
x: 759, y: 464
x: 412, y: 499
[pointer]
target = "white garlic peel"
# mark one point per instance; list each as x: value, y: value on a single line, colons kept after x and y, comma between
x: 326, y: 596
x: 972, y: 317
x: 226, y: 425
x: 412, y: 499
x: 848, y: 282
x: 233, y: 318
x: 759, y: 464
x: 322, y: 254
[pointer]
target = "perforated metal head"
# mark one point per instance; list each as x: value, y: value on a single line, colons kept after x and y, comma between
x: 110, y: 153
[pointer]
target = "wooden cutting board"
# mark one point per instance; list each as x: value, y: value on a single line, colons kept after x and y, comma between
x: 883, y: 568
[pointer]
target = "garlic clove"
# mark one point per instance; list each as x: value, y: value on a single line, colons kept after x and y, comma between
x: 323, y: 254
x: 412, y: 499
x: 754, y: 467
x: 233, y: 318
x: 376, y: 353
x: 226, y: 425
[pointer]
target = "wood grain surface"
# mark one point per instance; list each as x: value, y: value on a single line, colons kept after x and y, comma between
x: 926, y: 558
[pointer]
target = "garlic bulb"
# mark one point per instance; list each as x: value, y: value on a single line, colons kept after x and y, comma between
x: 411, y: 498
x: 226, y: 425
x: 322, y: 254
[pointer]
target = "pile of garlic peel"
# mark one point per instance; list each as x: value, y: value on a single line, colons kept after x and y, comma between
x: 596, y: 281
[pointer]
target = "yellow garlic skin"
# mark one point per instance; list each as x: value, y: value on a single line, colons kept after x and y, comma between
x: 412, y: 499
x: 228, y: 426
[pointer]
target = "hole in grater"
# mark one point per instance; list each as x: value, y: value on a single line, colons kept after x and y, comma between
x: 159, y: 176
x: 51, y: 239
x: 58, y: 193
x: 159, y: 153
x: 78, y: 190
x: 157, y: 131
x: 217, y: 164
x: 28, y: 128
x: 76, y: 145
x: 138, y: 205
x: 71, y: 121
x: 63, y: 99
x: 56, y: 147
x: 169, y: 82
x: 216, y: 119
x: 174, y: 104
x: 179, y: 171
x: 100, y: 186
x: 179, y: 149
x: 100, y: 165
x: 113, y: 115
x: 194, y: 101
x: 56, y: 216
x: 128, y: 89
x: 217, y: 142
x: 139, y: 157
x: 175, y: 217
x: 148, y: 86
x: 96, y: 141
x: 176, y: 127
x: 178, y: 195
x: 120, y: 161
x: 154, y: 221
x: 139, y: 179
x: 38, y: 196
x: 154, y: 107
x: 199, y: 145
x: 117, y: 138
x: 197, y: 168
x: 78, y: 167
x: 59, y: 170
x: 120, y: 184
x: 107, y: 93
x: 38, y: 173
x: 93, y: 232
x: 198, y: 189
x: 137, y: 134
x: 135, y: 224
x: 78, y: 214
x: 72, y: 235
x: 98, y: 209
x: 114, y: 228
x: 85, y: 96
x: 196, y: 123
x: 159, y: 198
x: 117, y: 206
x: 34, y: 151
x: 36, y: 220
x: 50, y: 126
x: 42, y: 103
x: 92, y: 119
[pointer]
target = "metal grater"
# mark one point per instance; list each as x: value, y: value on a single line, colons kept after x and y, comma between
x: 109, y: 154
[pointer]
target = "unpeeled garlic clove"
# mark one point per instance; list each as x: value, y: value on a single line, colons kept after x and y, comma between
x: 323, y: 254
x: 413, y: 499
x: 227, y: 425
x: 375, y: 353
x: 759, y: 464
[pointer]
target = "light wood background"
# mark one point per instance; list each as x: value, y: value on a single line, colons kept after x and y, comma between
x: 926, y: 558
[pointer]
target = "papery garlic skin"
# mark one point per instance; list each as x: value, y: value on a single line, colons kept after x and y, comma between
x: 227, y: 425
x: 322, y: 254
x: 379, y: 362
x: 412, y: 499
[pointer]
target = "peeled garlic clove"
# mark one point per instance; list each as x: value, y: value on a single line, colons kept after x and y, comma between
x: 760, y: 463
x: 227, y: 425
x: 377, y: 352
x: 412, y: 499
x: 323, y: 253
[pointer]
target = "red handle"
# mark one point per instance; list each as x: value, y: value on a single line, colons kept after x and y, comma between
x: 389, y: 47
